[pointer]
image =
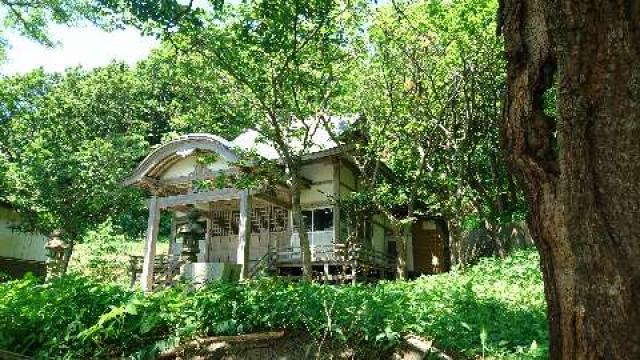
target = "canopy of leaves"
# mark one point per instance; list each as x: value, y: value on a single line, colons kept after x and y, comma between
x: 430, y: 92
x: 67, y: 140
x: 282, y: 58
x: 426, y: 78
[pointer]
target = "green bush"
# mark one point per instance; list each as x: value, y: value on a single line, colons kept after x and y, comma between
x: 103, y: 254
x: 496, y: 307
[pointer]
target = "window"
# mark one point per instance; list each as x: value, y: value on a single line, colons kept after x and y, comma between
x: 391, y: 244
x: 391, y: 249
x: 307, y: 219
x: 318, y: 219
x: 318, y: 223
x: 323, y: 219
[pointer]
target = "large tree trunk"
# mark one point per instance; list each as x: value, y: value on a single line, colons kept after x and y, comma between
x: 582, y: 171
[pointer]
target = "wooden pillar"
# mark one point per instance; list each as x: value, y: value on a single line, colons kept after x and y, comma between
x: 326, y: 272
x: 244, y: 234
x: 150, y: 244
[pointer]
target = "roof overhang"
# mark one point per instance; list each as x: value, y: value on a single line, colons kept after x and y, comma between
x: 168, y: 154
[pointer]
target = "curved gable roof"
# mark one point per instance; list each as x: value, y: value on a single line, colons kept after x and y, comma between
x: 167, y: 154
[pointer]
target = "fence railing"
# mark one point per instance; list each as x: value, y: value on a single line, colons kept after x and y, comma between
x: 165, y: 268
x: 334, y: 252
x: 358, y: 258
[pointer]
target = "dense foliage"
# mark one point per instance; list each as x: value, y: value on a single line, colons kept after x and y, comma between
x: 425, y: 78
x: 104, y: 254
x: 496, y: 308
x: 68, y: 140
x: 430, y: 90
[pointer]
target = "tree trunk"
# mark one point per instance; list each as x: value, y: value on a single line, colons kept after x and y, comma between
x: 401, y: 249
x: 581, y: 171
x: 496, y: 239
x: 298, y: 225
x: 443, y: 229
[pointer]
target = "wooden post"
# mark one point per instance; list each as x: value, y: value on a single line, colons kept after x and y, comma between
x: 326, y: 272
x: 244, y: 234
x: 150, y: 244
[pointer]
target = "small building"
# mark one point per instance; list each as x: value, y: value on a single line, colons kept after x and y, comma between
x: 171, y: 173
x: 20, y: 252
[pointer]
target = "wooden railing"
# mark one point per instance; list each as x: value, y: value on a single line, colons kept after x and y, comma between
x: 335, y: 253
x: 368, y: 257
x: 263, y: 264
x: 355, y: 260
x: 165, y: 268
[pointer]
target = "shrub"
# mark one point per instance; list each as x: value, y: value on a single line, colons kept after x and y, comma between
x: 496, y: 307
x: 103, y: 254
x: 45, y: 319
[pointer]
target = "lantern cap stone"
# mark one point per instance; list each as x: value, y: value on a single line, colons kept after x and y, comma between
x: 55, y: 242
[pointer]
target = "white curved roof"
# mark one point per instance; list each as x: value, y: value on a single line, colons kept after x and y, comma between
x: 164, y: 156
x: 167, y: 154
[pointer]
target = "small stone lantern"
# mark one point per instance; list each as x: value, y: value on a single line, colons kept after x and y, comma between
x: 191, y: 233
x: 56, y: 249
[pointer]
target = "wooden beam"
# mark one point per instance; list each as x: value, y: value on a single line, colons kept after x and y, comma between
x: 205, y: 175
x: 205, y: 196
x: 150, y: 244
x: 323, y: 182
x: 244, y: 234
x: 347, y: 186
x: 273, y: 200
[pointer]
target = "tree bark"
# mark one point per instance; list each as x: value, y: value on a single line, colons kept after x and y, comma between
x: 298, y: 225
x: 401, y: 248
x: 580, y: 170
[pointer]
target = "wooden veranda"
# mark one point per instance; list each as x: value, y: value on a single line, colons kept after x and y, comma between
x: 335, y: 264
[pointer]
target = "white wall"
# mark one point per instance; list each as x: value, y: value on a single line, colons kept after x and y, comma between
x: 347, y: 177
x: 18, y: 244
x: 187, y: 166
x: 321, y: 176
x: 377, y: 242
x: 316, y: 194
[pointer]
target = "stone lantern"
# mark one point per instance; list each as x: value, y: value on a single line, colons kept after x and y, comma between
x: 191, y: 232
x: 56, y: 249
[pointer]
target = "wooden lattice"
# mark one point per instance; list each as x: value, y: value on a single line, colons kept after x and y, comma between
x: 224, y: 222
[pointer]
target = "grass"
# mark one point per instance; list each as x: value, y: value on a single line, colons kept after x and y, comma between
x: 494, y: 308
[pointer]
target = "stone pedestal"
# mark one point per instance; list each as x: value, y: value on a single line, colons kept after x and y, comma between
x: 199, y: 273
